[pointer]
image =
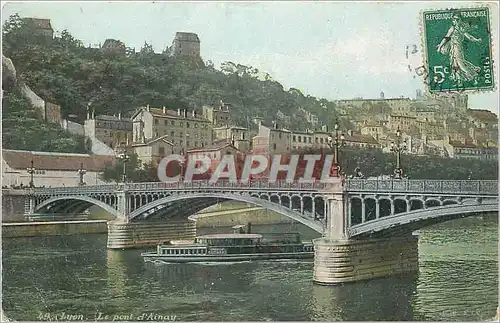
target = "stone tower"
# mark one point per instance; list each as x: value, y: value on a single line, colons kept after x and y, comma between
x: 185, y: 44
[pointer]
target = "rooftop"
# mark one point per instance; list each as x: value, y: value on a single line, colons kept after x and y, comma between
x: 175, y: 114
x: 39, y: 23
x: 186, y: 36
x: 216, y: 145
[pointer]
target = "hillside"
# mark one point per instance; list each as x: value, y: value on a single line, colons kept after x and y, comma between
x: 67, y: 73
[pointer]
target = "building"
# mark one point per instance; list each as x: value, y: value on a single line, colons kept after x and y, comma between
x: 374, y: 130
x: 279, y: 140
x: 353, y: 139
x: 113, y: 131
x: 52, y: 169
x: 216, y: 151
x: 113, y: 46
x: 153, y: 150
x: 185, y: 44
x: 185, y: 130
x: 41, y: 27
x: 471, y: 149
x: 218, y: 116
x: 238, y: 136
x: 321, y: 138
x: 302, y: 140
x: 403, y: 122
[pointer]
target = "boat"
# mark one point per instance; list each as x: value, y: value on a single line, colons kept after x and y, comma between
x: 236, y: 246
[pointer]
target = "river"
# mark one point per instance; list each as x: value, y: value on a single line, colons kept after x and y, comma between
x: 76, y: 277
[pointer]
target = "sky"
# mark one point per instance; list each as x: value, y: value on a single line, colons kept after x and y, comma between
x: 332, y: 50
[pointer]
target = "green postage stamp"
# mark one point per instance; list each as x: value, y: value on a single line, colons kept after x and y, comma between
x: 458, y: 50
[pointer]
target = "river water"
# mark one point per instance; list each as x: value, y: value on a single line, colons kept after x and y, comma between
x: 76, y: 277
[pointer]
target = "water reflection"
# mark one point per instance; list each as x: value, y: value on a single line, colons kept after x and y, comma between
x: 458, y: 280
x: 385, y: 299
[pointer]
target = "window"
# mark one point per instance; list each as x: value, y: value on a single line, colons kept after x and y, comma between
x: 279, y: 135
x: 156, y: 122
x: 172, y: 133
x: 294, y: 139
x: 300, y: 139
x: 196, y: 144
x: 181, y: 124
x: 172, y: 122
x: 161, y: 150
x: 274, y: 146
x: 165, y: 122
x: 310, y: 140
x: 187, y: 124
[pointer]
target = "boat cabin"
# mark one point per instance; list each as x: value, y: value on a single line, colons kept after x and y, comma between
x: 235, y: 239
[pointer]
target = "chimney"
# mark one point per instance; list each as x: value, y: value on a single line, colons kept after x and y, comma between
x: 185, y: 113
x: 147, y: 107
x: 349, y: 132
x: 178, y: 112
x: 93, y: 113
x: 119, y: 115
x: 193, y: 114
x: 164, y: 110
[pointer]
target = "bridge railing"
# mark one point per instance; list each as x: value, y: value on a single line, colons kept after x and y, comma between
x: 423, y: 186
x: 254, y: 184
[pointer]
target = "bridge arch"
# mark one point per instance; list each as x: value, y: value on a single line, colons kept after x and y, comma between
x: 294, y: 215
x: 420, y: 218
x: 68, y: 198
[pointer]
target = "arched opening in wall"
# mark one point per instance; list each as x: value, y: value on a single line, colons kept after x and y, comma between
x: 275, y: 199
x: 449, y: 202
x: 370, y: 209
x: 432, y: 203
x: 416, y: 205
x: 308, y: 205
x: 400, y: 206
x: 285, y: 201
x: 384, y: 206
x: 296, y: 203
x: 264, y: 197
x: 73, y: 209
x: 356, y: 208
x: 319, y: 208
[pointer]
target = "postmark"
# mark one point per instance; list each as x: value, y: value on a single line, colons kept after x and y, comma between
x: 457, y: 48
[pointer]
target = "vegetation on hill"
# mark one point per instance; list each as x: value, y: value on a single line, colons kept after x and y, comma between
x: 24, y: 129
x: 66, y: 72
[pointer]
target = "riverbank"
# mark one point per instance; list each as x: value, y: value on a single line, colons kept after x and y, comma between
x: 214, y: 219
x: 53, y: 228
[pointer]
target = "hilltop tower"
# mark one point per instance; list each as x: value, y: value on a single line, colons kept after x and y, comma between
x: 185, y: 44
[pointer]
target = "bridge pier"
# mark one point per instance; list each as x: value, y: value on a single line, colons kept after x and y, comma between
x: 339, y: 259
x: 122, y: 235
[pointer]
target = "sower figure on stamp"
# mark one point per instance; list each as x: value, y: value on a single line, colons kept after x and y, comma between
x: 453, y: 45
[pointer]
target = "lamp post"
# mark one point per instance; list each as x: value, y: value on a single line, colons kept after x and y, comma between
x: 335, y: 142
x: 125, y: 158
x: 81, y: 172
x: 398, y: 148
x: 31, y: 171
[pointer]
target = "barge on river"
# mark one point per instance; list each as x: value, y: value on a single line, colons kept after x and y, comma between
x: 232, y: 247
